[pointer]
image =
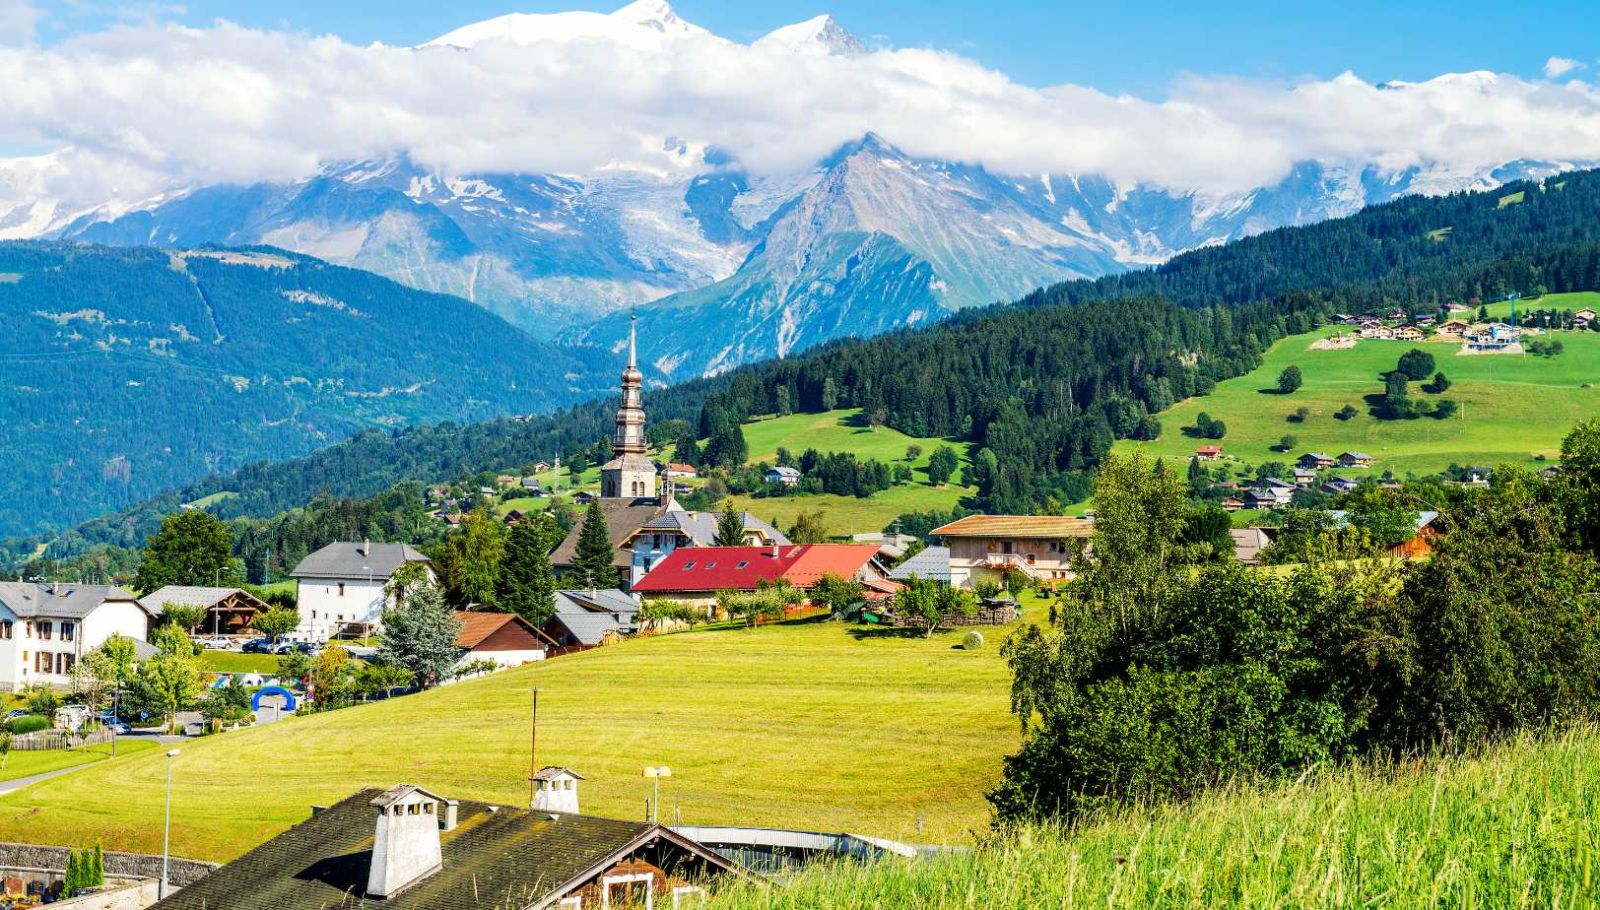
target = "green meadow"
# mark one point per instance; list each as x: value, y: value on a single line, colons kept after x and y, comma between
x: 808, y: 724
x: 21, y: 764
x: 1513, y: 406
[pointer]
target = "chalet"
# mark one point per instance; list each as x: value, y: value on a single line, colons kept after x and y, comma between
x: 1271, y: 493
x: 1426, y: 321
x: 986, y: 546
x: 588, y: 619
x: 1453, y: 307
x: 696, y: 574
x: 783, y: 474
x: 1305, y: 477
x: 1232, y: 503
x: 1583, y: 318
x: 1208, y: 453
x: 532, y: 485
x: 1316, y: 461
x: 342, y: 586
x: 1355, y: 460
x: 1346, y: 319
x: 675, y: 470
x: 45, y: 629
x: 1376, y: 330
x: 505, y: 638
x: 1422, y: 540
x: 1248, y: 544
x: 515, y: 517
x: 583, y: 497
x: 539, y: 467
x: 406, y: 848
x: 1409, y: 333
x: 506, y: 480
x: 229, y: 611
x: 1339, y: 485
x: 1493, y: 337
x: 1454, y: 328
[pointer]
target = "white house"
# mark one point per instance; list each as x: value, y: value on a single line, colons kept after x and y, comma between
x: 341, y: 586
x: 783, y: 474
x: 45, y: 629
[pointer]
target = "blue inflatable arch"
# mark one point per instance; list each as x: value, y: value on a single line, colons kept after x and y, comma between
x: 288, y: 697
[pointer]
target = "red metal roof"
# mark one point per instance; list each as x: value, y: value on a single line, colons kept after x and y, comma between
x: 743, y: 568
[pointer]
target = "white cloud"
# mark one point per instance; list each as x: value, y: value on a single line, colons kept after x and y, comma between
x: 1556, y: 67
x: 156, y: 105
x: 18, y: 19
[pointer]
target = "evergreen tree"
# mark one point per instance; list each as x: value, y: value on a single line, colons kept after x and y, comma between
x: 192, y: 548
x: 730, y: 527
x: 469, y: 560
x: 593, y: 563
x: 421, y: 637
x: 1396, y: 397
x: 527, y: 584
x: 687, y: 449
x: 830, y: 394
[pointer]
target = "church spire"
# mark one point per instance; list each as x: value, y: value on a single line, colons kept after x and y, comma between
x: 633, y: 348
x: 630, y: 474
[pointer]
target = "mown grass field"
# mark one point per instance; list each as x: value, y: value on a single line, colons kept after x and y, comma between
x: 235, y: 662
x: 1515, y: 828
x: 811, y: 724
x: 843, y: 431
x: 26, y: 764
x: 1513, y: 406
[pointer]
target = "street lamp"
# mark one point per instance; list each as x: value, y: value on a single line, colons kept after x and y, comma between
x: 656, y: 774
x: 166, y: 833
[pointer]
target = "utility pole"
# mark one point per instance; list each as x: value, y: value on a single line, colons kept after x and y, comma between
x: 166, y: 832
x: 533, y: 745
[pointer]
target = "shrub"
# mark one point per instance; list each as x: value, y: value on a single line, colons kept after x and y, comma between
x: 1289, y: 380
x: 1416, y: 364
x: 30, y: 723
x: 1346, y: 413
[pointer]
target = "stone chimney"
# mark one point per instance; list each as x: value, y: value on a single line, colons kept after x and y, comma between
x: 555, y: 790
x: 406, y: 847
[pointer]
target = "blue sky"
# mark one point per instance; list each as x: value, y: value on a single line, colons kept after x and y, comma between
x: 1120, y: 47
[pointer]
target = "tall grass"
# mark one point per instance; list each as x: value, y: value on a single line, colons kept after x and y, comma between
x: 1513, y: 827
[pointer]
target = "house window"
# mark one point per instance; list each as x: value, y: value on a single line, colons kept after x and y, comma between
x: 742, y: 563
x: 66, y: 631
x: 688, y: 565
x: 6, y: 629
x: 341, y: 589
x: 42, y: 662
x: 688, y: 896
x: 64, y: 664
x: 628, y: 891
x: 46, y: 631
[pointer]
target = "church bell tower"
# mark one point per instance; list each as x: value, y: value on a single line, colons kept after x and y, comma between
x: 630, y: 474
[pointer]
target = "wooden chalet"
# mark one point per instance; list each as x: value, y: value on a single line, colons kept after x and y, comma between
x: 229, y: 611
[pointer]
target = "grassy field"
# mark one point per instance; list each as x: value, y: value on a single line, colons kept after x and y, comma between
x: 1514, y: 828
x: 810, y: 724
x: 843, y: 431
x: 1512, y: 406
x: 26, y: 764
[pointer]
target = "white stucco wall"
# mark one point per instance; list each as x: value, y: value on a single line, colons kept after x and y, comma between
x: 10, y: 651
x: 324, y: 605
x: 115, y: 618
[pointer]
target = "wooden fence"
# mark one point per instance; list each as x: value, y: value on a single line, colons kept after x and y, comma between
x: 52, y: 740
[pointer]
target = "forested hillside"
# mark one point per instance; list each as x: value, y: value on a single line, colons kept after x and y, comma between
x: 1042, y: 389
x: 125, y: 372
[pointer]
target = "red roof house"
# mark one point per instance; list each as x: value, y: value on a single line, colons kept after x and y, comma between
x: 706, y: 570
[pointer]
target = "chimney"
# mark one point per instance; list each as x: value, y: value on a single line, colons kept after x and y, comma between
x: 774, y: 549
x: 405, y: 849
x: 555, y: 790
x: 366, y: 547
x: 448, y: 819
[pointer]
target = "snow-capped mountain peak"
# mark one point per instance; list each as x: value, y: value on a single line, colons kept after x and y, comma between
x: 819, y: 35
x: 641, y: 24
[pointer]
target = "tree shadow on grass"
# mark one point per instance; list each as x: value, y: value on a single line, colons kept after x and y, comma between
x: 869, y: 633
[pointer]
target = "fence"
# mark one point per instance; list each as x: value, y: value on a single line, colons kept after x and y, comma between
x: 50, y: 740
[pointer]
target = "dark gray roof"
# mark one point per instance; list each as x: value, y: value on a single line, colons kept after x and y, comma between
x: 357, y: 560
x: 932, y: 563
x: 496, y: 858
x: 624, y: 518
x: 62, y: 599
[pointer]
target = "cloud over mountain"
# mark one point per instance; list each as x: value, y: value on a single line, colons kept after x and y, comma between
x: 158, y: 106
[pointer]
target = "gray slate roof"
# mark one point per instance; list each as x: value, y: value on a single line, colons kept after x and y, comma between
x: 932, y: 563
x: 63, y: 599
x: 701, y: 527
x: 589, y: 615
x: 156, y: 601
x: 624, y: 518
x: 356, y: 560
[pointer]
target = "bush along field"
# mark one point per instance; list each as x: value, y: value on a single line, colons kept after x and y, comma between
x: 1509, y: 407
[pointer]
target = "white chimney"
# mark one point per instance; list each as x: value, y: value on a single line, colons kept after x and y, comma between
x: 555, y: 790
x: 406, y: 847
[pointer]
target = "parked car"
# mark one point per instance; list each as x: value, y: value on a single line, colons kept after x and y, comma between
x: 13, y: 715
x: 258, y: 646
x: 113, y: 723
x: 217, y: 643
x: 289, y: 647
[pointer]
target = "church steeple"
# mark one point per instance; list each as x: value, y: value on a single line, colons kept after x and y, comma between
x: 630, y: 474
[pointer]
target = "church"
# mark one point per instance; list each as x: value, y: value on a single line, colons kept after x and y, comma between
x: 644, y: 522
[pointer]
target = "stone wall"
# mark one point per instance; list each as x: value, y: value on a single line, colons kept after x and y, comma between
x: 121, y: 865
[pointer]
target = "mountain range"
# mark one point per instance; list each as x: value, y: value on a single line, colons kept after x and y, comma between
x: 723, y: 266
x: 129, y: 371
